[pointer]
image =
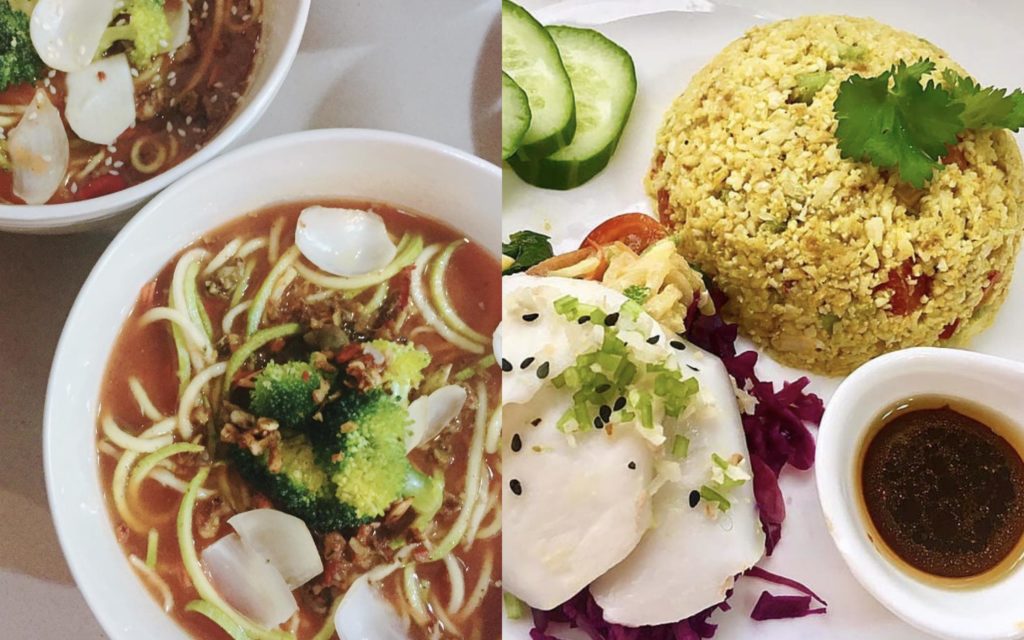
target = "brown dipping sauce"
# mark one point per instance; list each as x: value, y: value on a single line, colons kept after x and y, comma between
x: 945, y: 491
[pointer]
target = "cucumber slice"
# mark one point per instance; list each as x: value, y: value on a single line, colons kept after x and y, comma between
x: 604, y: 82
x: 515, y: 115
x: 529, y: 56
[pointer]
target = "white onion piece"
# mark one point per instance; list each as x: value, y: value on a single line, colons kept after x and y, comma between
x: 432, y: 413
x: 39, y: 151
x: 67, y: 33
x: 283, y: 540
x: 364, y: 614
x: 179, y: 21
x: 344, y: 242
x: 101, y: 100
x: 248, y: 582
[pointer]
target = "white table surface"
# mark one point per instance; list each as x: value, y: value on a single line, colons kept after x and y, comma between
x: 424, y: 67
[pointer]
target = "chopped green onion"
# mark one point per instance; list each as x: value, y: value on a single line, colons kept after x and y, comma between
x: 637, y: 293
x: 218, y: 617
x: 514, y: 607
x: 711, y: 495
x: 680, y: 447
x: 251, y: 345
x: 152, y: 544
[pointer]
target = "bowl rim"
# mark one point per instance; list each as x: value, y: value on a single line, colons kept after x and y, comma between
x: 62, y: 513
x: 29, y: 218
x: 843, y: 514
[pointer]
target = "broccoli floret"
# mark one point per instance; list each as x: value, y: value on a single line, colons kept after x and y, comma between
x: 148, y: 31
x: 302, y: 486
x: 362, y: 441
x: 404, y: 365
x: 19, y: 61
x: 284, y: 392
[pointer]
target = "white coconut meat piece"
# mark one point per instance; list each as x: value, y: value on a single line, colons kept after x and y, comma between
x: 364, y: 614
x: 39, y: 151
x: 283, y: 540
x: 248, y: 582
x: 179, y: 15
x: 67, y: 33
x: 344, y: 242
x: 101, y: 100
x: 432, y: 413
x: 688, y: 560
x: 577, y: 508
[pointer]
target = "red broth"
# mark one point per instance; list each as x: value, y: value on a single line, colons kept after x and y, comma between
x: 148, y: 354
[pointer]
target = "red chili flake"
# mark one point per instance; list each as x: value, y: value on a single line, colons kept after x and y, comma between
x: 276, y: 345
x: 907, y: 290
x: 101, y: 76
x: 351, y: 352
x: 955, y: 155
x: 950, y: 329
x: 305, y: 376
x: 988, y: 287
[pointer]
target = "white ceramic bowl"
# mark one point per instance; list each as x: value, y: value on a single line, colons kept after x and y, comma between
x: 991, y: 612
x: 408, y: 172
x: 283, y: 25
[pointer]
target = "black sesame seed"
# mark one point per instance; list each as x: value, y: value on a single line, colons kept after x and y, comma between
x: 601, y: 388
x: 583, y: 319
x: 632, y: 465
x: 692, y: 368
x: 694, y: 498
x: 675, y: 344
x: 611, y: 319
x: 605, y: 412
x: 620, y: 403
x: 516, y: 486
x: 517, y: 443
x: 543, y: 370
x: 535, y: 422
x: 598, y: 423
x: 506, y: 366
x: 530, y: 317
x: 527, y: 362
x: 653, y: 339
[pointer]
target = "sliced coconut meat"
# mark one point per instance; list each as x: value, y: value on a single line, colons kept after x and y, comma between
x: 432, y: 413
x: 39, y: 151
x: 179, y: 18
x: 248, y: 582
x: 344, y: 242
x: 101, y: 100
x: 283, y: 540
x: 67, y: 33
x: 688, y: 559
x: 364, y: 614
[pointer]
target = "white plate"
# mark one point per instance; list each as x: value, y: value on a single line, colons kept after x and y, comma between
x: 670, y: 40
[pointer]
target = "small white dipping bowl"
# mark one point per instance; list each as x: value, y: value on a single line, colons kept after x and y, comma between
x: 991, y: 612
x: 284, y: 22
x: 410, y: 173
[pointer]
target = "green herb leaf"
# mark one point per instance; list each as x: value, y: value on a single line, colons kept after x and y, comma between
x: 637, y: 293
x: 985, y: 107
x: 526, y: 248
x: 894, y: 121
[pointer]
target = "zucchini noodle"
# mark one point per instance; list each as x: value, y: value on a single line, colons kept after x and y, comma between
x: 491, y: 530
x: 320, y: 296
x: 232, y: 315
x: 494, y: 432
x: 118, y: 491
x: 203, y: 68
x: 243, y: 282
x: 326, y: 632
x: 154, y: 578
x: 146, y: 405
x: 132, y: 443
x: 439, y: 294
x: 218, y: 617
x: 193, y: 304
x: 194, y: 569
x: 377, y: 299
x: 181, y: 352
x: 274, y: 246
x: 191, y: 396
x: 159, y: 428
x: 283, y: 284
x: 192, y: 335
x: 251, y: 345
x: 259, y: 302
x: 419, y: 299
x: 251, y: 247
x: 442, y: 615
x: 171, y: 481
x: 408, y: 249
x: 473, y: 470
x: 457, y: 582
x: 414, y: 596
x: 147, y: 464
x: 91, y: 165
x: 152, y: 547
x: 483, y: 584
x: 151, y: 146
x: 483, y: 505
x: 229, y: 251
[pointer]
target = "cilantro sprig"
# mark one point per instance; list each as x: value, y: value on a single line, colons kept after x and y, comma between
x: 526, y: 248
x: 893, y: 120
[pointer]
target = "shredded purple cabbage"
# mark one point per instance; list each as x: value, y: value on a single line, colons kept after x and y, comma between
x: 777, y: 435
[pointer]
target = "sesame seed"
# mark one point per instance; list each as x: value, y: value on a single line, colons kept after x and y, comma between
x: 543, y: 370
x: 611, y: 319
x: 530, y: 317
x: 653, y: 339
x: 517, y: 443
x: 620, y: 403
x: 676, y: 344
x: 527, y: 362
x: 605, y: 412
x: 692, y: 368
x: 694, y: 498
x: 601, y: 388
x: 598, y: 423
x: 506, y: 366
x: 584, y: 319
x: 631, y: 465
x: 516, y: 486
x: 535, y: 421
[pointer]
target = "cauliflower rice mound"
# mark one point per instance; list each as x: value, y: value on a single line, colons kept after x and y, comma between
x: 830, y: 262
